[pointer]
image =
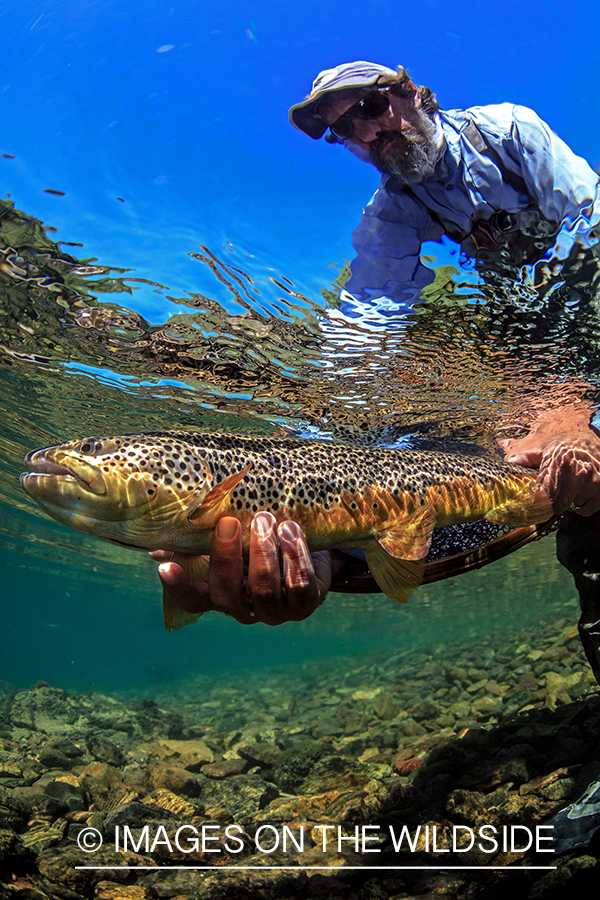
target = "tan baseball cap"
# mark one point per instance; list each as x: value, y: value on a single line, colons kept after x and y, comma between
x: 348, y: 75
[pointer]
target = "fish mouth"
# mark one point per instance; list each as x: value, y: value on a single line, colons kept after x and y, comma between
x: 83, y: 474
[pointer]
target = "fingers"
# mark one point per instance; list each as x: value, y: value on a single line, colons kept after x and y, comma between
x: 261, y: 597
x: 192, y: 598
x: 570, y: 474
x: 529, y: 458
x: 226, y: 573
x: 264, y: 574
x: 161, y: 555
x: 304, y: 590
x: 264, y: 596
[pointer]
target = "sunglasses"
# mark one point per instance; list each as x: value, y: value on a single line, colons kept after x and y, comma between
x: 373, y: 105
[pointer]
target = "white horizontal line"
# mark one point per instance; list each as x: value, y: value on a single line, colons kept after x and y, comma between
x: 344, y: 868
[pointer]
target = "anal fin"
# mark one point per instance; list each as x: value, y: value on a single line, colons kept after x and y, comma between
x: 398, y: 578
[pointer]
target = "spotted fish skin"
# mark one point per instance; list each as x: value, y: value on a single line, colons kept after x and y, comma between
x: 167, y: 490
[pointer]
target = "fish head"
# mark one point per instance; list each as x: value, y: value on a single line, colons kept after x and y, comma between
x: 131, y: 490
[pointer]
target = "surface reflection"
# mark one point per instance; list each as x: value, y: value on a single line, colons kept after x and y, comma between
x: 468, y: 363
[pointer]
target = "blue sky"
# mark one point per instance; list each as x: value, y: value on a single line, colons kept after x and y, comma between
x: 180, y: 108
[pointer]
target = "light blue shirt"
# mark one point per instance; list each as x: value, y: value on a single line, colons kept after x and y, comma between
x: 510, y: 161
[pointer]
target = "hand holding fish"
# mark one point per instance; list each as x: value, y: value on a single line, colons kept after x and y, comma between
x: 568, y: 464
x: 263, y: 596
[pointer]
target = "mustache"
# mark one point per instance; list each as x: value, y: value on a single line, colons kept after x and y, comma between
x: 409, y: 157
x: 399, y: 139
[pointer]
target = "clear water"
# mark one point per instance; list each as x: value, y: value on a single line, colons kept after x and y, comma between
x: 183, y: 278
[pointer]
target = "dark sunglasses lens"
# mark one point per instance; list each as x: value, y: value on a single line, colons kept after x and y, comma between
x: 370, y: 107
x: 342, y: 128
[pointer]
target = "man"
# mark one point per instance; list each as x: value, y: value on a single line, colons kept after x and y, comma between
x: 491, y: 178
x: 498, y: 181
x: 480, y: 176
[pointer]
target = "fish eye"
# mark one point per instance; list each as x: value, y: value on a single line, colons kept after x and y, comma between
x: 89, y: 447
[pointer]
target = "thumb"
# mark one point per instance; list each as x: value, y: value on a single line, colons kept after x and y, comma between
x: 529, y: 458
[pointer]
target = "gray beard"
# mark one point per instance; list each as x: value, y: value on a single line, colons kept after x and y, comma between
x: 410, y: 158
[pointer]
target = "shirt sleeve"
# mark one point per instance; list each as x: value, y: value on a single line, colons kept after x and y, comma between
x: 563, y: 185
x: 388, y: 242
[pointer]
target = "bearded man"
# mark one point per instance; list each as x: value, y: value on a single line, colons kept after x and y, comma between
x: 497, y: 180
x: 489, y: 177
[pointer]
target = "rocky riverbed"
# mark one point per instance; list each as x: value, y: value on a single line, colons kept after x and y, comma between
x: 339, y: 775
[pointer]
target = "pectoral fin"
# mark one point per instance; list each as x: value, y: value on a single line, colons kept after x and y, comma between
x: 217, y: 500
x: 532, y: 510
x: 175, y: 617
x: 409, y: 538
x: 398, y: 578
x: 196, y: 569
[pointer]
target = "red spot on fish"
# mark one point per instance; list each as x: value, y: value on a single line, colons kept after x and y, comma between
x: 52, y: 191
x: 406, y: 766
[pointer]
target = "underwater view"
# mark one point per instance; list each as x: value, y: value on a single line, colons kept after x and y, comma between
x: 366, y: 384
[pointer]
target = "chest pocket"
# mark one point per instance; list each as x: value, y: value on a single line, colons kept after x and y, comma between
x: 523, y: 236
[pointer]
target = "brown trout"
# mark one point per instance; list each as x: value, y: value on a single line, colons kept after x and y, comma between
x: 167, y: 490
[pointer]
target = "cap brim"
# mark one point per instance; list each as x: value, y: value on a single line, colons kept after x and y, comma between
x: 303, y: 115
